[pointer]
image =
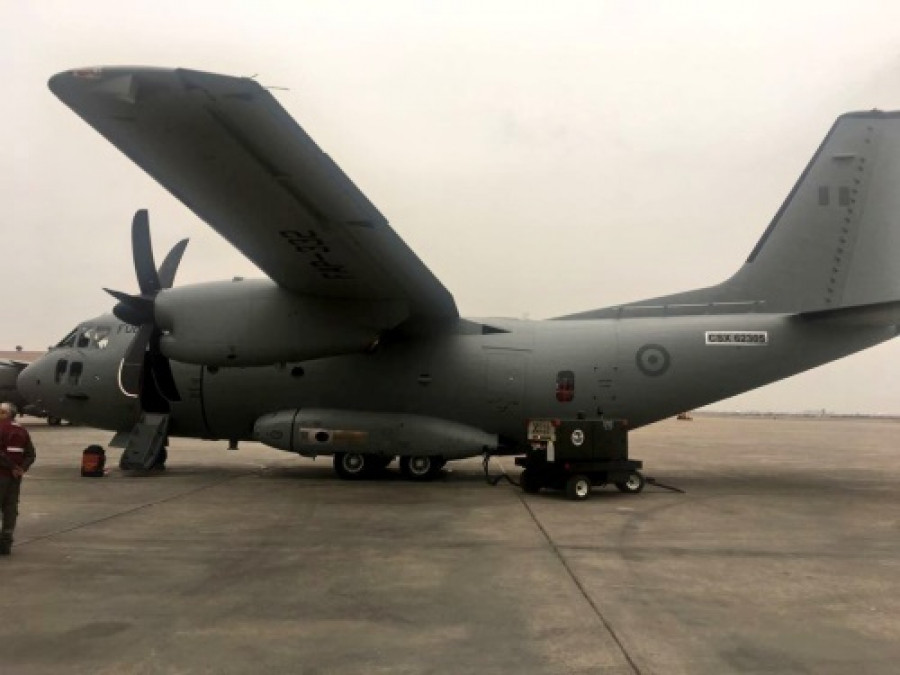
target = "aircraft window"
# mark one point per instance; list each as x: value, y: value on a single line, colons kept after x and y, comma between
x: 101, y: 336
x: 69, y: 340
x: 75, y: 372
x: 95, y: 337
x: 565, y: 386
x: 84, y: 338
x: 61, y: 366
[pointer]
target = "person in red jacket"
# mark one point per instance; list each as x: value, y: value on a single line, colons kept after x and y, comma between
x: 16, y: 457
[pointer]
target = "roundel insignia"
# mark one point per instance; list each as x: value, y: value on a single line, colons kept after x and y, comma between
x: 653, y: 360
x: 577, y: 437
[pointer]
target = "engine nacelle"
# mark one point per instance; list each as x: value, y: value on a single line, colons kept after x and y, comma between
x: 319, y: 431
x: 256, y: 323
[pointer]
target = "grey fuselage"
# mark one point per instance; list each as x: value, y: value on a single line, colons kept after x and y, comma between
x: 641, y: 369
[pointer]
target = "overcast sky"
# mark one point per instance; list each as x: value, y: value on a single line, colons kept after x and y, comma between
x: 541, y: 158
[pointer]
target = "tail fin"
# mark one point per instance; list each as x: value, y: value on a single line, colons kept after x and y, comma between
x: 835, y: 242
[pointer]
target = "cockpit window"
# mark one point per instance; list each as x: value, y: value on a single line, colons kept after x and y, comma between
x: 101, y: 337
x: 69, y: 340
x: 98, y: 336
x: 90, y: 337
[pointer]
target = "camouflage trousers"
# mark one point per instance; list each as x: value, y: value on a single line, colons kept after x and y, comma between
x: 9, y: 506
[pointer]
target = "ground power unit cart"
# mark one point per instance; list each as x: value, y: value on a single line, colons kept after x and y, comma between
x: 573, y: 455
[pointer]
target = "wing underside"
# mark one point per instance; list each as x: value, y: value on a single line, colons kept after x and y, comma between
x: 228, y: 150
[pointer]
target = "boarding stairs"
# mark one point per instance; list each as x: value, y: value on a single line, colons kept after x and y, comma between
x: 146, y: 443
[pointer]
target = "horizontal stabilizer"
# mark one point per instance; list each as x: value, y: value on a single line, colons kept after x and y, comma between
x: 876, y: 314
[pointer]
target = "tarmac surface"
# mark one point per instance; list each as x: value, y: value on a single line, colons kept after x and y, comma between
x: 782, y: 556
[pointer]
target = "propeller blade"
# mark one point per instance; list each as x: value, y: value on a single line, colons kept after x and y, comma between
x: 142, y: 252
x: 161, y: 369
x: 138, y: 310
x: 170, y: 265
x: 132, y: 309
x: 131, y: 372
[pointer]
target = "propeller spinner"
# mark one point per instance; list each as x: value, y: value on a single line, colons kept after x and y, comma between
x: 138, y: 310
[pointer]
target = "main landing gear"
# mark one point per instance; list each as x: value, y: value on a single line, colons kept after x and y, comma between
x: 360, y: 465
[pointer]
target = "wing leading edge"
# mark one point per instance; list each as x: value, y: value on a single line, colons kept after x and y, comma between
x: 228, y: 150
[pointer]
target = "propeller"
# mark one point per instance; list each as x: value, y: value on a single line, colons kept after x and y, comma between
x: 138, y: 310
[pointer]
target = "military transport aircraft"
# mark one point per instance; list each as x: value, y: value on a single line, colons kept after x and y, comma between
x: 352, y: 348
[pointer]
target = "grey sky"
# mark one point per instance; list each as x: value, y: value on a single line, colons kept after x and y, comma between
x: 541, y: 158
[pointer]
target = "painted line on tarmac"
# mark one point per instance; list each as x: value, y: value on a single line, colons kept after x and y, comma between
x: 577, y: 583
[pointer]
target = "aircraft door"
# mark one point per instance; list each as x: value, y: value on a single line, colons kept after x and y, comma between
x: 605, y: 375
x: 505, y: 385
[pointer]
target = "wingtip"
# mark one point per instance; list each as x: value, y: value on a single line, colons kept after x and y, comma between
x: 116, y: 80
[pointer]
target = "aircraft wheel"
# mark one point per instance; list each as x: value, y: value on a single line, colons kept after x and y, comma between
x: 578, y: 487
x: 421, y: 467
x: 633, y: 485
x: 54, y: 421
x: 530, y: 481
x: 351, y: 465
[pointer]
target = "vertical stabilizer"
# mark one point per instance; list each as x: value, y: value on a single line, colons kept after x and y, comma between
x: 835, y: 241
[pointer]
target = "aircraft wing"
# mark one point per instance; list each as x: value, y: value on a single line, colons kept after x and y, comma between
x: 227, y: 149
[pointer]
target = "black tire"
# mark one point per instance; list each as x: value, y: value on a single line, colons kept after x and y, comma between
x: 54, y: 421
x: 531, y: 482
x: 351, y: 465
x: 633, y: 485
x: 421, y: 467
x: 578, y: 487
